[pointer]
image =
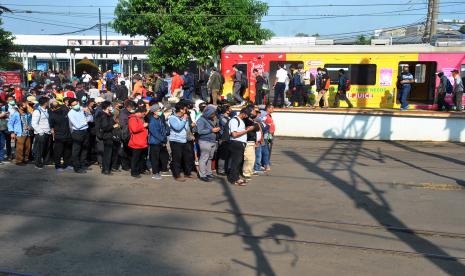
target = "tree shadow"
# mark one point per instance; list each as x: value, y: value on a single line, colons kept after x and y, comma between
x: 262, y: 264
x: 378, y: 209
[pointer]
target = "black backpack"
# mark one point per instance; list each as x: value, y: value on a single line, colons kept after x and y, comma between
x: 226, y: 134
x: 244, y: 81
x: 449, y: 87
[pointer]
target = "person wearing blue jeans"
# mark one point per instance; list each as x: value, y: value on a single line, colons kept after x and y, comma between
x: 2, y: 145
x: 262, y: 156
x: 405, y: 83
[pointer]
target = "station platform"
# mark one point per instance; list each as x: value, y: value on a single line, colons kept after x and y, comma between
x: 370, y: 124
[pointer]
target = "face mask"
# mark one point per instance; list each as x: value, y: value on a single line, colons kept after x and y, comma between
x: 132, y: 111
x: 12, y: 103
x: 77, y: 107
x: 159, y: 113
x: 138, y: 98
x: 84, y: 98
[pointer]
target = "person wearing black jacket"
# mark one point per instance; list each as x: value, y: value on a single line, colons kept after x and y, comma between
x: 105, y: 124
x: 61, y: 135
x: 249, y: 152
x: 121, y: 91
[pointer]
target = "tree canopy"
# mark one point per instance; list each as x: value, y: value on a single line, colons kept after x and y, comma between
x: 6, y: 44
x: 462, y: 29
x: 180, y: 30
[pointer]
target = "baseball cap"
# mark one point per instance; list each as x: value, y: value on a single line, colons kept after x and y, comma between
x: 32, y: 99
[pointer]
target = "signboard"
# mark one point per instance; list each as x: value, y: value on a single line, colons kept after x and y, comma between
x: 10, y: 77
x: 385, y: 78
x: 42, y: 66
x: 117, y: 67
x: 96, y: 42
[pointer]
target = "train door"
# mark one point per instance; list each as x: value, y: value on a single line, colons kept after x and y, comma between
x: 425, y: 80
x: 288, y: 65
x: 244, y: 68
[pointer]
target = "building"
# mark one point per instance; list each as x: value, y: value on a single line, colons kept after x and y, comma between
x: 56, y: 52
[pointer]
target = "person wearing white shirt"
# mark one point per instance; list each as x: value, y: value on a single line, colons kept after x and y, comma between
x: 280, y: 86
x: 42, y: 132
x: 238, y: 140
x: 93, y: 92
x: 78, y: 121
x: 86, y: 78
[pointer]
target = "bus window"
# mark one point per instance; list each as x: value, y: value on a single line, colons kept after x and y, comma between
x: 358, y: 74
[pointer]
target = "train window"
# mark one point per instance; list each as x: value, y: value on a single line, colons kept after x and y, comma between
x: 462, y: 70
x: 420, y: 73
x: 359, y: 74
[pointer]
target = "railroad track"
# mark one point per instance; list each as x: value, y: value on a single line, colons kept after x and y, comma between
x: 384, y: 227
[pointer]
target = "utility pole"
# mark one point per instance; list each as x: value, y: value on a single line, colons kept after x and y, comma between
x: 106, y: 37
x: 100, y: 28
x: 434, y: 18
x: 427, y: 33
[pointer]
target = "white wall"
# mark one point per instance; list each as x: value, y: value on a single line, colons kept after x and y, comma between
x: 369, y: 127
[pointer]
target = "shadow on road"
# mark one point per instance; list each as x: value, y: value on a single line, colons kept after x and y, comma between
x: 347, y: 153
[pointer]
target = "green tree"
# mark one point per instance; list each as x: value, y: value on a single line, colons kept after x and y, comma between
x: 362, y: 40
x: 6, y: 45
x: 180, y: 30
x: 316, y: 35
x: 301, y: 35
x: 462, y: 29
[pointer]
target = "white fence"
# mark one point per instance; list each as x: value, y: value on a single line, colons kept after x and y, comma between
x: 441, y: 127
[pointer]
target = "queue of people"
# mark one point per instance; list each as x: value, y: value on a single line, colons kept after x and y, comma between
x: 76, y: 128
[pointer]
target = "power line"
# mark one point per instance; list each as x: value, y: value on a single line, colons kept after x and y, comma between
x: 270, y: 6
x: 78, y: 31
x: 41, y: 22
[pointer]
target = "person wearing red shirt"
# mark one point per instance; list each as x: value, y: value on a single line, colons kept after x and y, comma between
x: 270, y: 122
x: 176, y: 85
x: 138, y: 141
x: 18, y: 94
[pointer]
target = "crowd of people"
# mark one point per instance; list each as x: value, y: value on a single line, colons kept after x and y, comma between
x: 158, y: 130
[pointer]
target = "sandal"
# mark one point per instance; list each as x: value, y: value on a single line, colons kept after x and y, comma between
x: 240, y: 183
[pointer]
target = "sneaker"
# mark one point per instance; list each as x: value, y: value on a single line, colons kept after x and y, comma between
x: 205, y: 179
x: 2, y: 163
x: 167, y: 173
x: 180, y: 179
x: 211, y: 176
x: 258, y: 172
x: 59, y: 170
x: 136, y: 176
x: 156, y: 176
x: 39, y: 168
x: 69, y: 168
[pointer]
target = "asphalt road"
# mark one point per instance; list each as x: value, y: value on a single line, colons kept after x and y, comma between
x: 328, y: 207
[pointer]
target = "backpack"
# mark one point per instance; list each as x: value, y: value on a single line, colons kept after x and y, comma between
x: 327, y: 83
x: 449, y: 87
x: 226, y: 134
x: 164, y: 88
x: 348, y: 85
x: 244, y: 81
x: 296, y: 80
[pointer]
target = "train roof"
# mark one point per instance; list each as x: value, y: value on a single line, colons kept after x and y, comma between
x: 381, y: 49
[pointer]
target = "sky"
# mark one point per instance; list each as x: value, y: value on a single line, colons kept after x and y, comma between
x: 285, y: 17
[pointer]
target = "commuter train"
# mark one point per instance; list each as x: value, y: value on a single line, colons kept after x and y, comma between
x: 372, y: 70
